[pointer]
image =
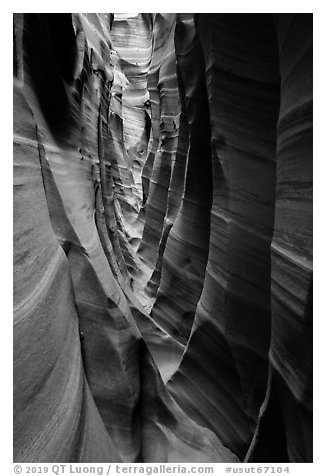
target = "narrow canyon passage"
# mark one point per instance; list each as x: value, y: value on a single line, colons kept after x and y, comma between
x: 162, y: 237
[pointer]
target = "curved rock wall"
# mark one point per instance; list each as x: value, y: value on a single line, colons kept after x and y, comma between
x: 246, y: 330
x: 231, y: 331
x: 162, y: 237
x: 185, y: 258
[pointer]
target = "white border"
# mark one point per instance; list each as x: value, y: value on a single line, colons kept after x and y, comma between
x: 241, y: 6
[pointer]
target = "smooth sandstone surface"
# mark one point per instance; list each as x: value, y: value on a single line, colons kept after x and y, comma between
x: 162, y: 237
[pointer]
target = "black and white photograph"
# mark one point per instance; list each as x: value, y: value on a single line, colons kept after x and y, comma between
x: 162, y: 241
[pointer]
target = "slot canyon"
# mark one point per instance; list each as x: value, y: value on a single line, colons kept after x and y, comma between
x: 162, y: 193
